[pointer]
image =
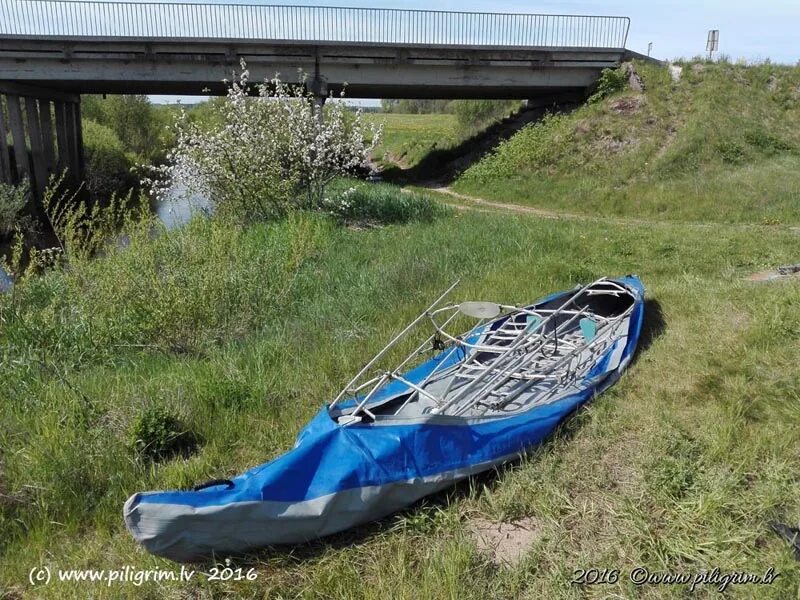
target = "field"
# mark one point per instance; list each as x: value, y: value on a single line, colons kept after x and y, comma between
x: 408, y: 138
x: 242, y: 334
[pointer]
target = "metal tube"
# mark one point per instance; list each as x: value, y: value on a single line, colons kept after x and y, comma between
x: 511, y: 348
x: 510, y: 363
x: 607, y: 331
x: 515, y: 364
x: 390, y: 344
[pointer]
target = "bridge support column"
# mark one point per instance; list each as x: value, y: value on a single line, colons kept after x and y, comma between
x: 319, y: 88
x: 38, y: 150
x: 319, y: 105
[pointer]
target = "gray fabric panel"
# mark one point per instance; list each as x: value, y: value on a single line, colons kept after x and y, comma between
x: 185, y: 533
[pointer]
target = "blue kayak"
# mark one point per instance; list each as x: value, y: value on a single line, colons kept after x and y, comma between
x: 397, y: 433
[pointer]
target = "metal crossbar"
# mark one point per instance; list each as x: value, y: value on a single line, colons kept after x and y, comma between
x: 504, y: 362
x: 72, y: 18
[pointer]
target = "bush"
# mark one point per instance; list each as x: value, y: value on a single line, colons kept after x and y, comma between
x: 157, y: 434
x: 140, y: 126
x: 12, y: 202
x: 416, y: 107
x: 183, y: 291
x: 381, y: 203
x: 108, y: 166
x: 269, y: 154
x: 610, y: 82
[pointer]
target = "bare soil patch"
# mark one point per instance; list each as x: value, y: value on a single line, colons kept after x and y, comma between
x: 505, y: 543
x: 626, y: 106
x: 784, y: 272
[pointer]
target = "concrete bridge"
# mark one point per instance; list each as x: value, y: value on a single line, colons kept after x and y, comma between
x: 53, y: 50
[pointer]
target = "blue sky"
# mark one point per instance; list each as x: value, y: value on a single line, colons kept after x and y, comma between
x: 748, y: 29
x: 751, y: 30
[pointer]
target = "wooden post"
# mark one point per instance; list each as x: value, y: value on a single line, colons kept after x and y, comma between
x: 71, y: 143
x: 5, y: 159
x: 36, y: 157
x: 61, y: 137
x: 18, y: 133
x: 35, y: 135
x: 79, y: 141
x: 46, y: 128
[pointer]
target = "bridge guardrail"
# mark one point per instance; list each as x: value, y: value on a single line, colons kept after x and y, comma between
x: 71, y: 18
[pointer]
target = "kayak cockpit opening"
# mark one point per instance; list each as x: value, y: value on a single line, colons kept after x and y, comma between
x: 504, y: 358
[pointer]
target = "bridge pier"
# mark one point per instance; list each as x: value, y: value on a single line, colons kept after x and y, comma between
x: 319, y: 88
x: 46, y: 137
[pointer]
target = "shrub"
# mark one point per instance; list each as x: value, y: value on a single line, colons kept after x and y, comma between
x: 183, y: 291
x: 138, y: 124
x: 270, y: 154
x: 416, y: 107
x: 157, y: 434
x: 12, y: 202
x: 108, y: 166
x: 381, y: 203
x: 610, y: 82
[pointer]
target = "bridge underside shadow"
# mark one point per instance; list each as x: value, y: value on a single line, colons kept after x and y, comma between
x: 442, y: 165
x: 96, y: 65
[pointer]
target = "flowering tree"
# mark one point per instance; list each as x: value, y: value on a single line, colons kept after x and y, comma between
x: 273, y: 148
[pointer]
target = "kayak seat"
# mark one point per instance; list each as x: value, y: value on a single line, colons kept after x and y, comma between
x: 533, y: 322
x: 588, y: 329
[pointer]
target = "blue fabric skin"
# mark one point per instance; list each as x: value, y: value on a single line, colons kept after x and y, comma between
x: 328, y: 457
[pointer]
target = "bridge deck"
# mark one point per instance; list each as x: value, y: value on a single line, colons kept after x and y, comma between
x: 135, y: 47
x: 92, y: 65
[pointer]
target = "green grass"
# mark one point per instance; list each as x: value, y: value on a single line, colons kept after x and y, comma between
x: 678, y: 467
x: 360, y: 203
x: 408, y: 138
x: 232, y: 338
x: 721, y: 145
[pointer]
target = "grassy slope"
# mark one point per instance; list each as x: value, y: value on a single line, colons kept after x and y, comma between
x: 678, y: 467
x: 408, y: 138
x: 723, y: 145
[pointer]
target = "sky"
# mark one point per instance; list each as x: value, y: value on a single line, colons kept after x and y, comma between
x: 749, y: 29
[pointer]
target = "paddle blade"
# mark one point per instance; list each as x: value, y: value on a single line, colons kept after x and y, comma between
x: 480, y: 310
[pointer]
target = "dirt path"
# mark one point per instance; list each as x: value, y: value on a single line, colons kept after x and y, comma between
x: 492, y: 206
x: 466, y: 202
x: 477, y: 204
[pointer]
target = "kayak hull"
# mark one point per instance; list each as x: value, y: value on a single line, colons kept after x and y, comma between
x: 339, y: 476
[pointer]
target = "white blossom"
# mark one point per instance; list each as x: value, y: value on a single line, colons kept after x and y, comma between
x: 270, y: 151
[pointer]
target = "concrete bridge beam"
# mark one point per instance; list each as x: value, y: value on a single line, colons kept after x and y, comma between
x: 370, y: 70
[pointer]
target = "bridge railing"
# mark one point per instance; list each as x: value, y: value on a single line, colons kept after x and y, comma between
x: 71, y: 18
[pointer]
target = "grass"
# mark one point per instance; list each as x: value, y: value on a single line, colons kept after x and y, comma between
x: 679, y: 467
x: 407, y: 139
x: 359, y: 203
x: 720, y: 145
x: 228, y: 340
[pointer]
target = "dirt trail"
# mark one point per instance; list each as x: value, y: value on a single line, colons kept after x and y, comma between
x: 499, y: 206
x: 474, y: 203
